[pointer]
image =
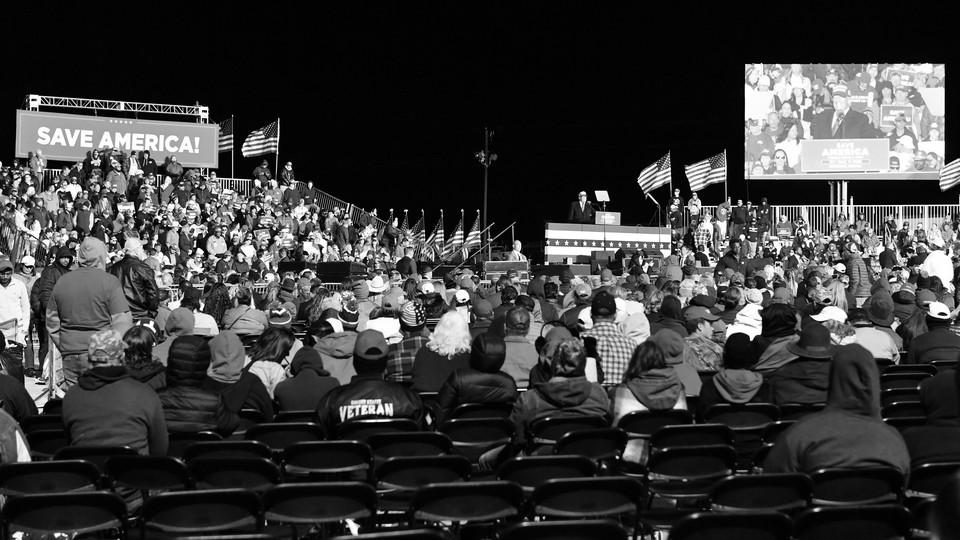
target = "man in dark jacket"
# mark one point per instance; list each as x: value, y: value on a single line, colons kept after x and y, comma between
x: 40, y: 295
x: 806, y: 379
x: 109, y: 408
x: 940, y: 343
x: 136, y: 278
x: 368, y: 395
x: 310, y: 382
x: 483, y: 382
x: 730, y: 259
x: 187, y: 408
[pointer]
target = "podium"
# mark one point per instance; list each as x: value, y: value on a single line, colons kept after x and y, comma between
x: 607, y: 218
x: 492, y: 270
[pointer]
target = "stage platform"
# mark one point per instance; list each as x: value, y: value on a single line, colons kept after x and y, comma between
x: 575, y: 243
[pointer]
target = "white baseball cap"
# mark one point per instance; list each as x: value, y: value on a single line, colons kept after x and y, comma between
x: 830, y: 313
x: 28, y: 261
x: 938, y: 310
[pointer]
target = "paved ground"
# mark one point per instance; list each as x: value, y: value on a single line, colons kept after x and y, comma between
x: 37, y: 390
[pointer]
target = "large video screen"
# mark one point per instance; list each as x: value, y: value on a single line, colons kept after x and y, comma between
x: 844, y: 121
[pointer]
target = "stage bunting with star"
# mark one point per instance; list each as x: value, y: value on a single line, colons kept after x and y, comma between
x: 562, y: 240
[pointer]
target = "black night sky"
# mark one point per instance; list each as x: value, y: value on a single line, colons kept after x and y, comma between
x: 384, y: 104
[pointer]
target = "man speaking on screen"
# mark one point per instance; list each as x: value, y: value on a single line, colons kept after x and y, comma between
x: 842, y: 122
x: 581, y: 211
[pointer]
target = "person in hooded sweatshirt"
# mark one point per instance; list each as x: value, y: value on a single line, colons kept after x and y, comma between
x: 568, y: 392
x: 737, y: 382
x: 107, y: 407
x: 670, y: 317
x: 848, y: 433
x: 336, y: 349
x: 939, y: 439
x: 83, y: 302
x: 188, y: 408
x: 40, y: 296
x: 673, y: 347
x: 240, y: 388
x: 806, y: 379
x: 778, y: 329
x: 180, y: 322
x: 482, y: 382
x: 139, y: 359
x: 310, y: 382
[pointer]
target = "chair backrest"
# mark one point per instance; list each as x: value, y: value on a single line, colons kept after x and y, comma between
x: 943, y: 365
x: 742, y: 417
x: 199, y: 512
x: 579, y: 498
x: 894, y: 395
x: 424, y: 533
x: 256, y: 474
x: 41, y: 477
x: 853, y: 522
x: 38, y: 422
x: 466, y: 502
x: 412, y: 443
x: 295, y: 416
x: 910, y: 368
x: 643, y: 424
x: 53, y: 406
x: 98, y: 455
x: 472, y: 437
x: 691, y: 435
x: 772, y: 431
x: 904, y: 409
x: 531, y: 471
x: 148, y: 473
x: 413, y: 472
x: 588, y: 529
x: 278, y: 436
x: 873, y: 485
x: 67, y: 513
x: 319, y: 502
x: 902, y: 380
x: 753, y: 525
x: 548, y: 430
x: 226, y: 449
x: 596, y: 444
x: 326, y: 459
x: 786, y: 492
x: 901, y: 423
x: 928, y: 479
x: 178, y: 442
x: 361, y: 429
x: 46, y: 442
x: 691, y: 463
x: 796, y: 411
x: 482, y: 410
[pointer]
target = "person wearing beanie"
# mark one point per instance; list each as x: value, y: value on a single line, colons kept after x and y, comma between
x: 40, y: 297
x: 778, y: 329
x: 239, y: 388
x: 310, y: 382
x: 805, y: 379
x: 138, y: 281
x: 188, y: 408
x: 940, y: 342
x: 670, y: 317
x: 614, y: 348
x: 336, y: 349
x: 180, y: 322
x: 109, y: 408
x: 849, y: 432
x: 482, y: 317
x: 482, y: 382
x: 736, y: 382
x: 400, y: 358
x: 367, y: 395
x: 81, y: 303
x: 447, y: 350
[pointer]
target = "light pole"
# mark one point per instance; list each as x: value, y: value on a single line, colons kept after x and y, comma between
x: 486, y: 159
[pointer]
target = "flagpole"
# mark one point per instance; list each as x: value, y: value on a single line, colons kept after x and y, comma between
x: 725, y: 175
x: 276, y: 166
x: 233, y: 127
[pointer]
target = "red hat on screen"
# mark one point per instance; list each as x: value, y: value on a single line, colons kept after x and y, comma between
x: 841, y: 90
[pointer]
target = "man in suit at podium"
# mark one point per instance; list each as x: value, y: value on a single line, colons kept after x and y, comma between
x: 515, y: 255
x: 581, y: 211
x: 843, y: 122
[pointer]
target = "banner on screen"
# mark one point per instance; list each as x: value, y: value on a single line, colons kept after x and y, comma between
x: 69, y: 137
x: 844, y: 121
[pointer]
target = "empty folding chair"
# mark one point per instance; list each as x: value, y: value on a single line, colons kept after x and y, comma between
x: 322, y: 503
x: 472, y: 437
x: 41, y: 477
x: 747, y: 422
x: 796, y: 411
x: 733, y: 526
x: 226, y: 449
x: 256, y: 474
x: 295, y: 416
x: 486, y: 504
x: 889, y: 381
x: 178, y: 442
x: 45, y: 443
x: 928, y: 479
x: 362, y: 429
x: 587, y: 529
x: 786, y: 492
x: 586, y: 498
x: 413, y: 443
x: 853, y: 523
x: 398, y: 478
x: 531, y: 471
x: 482, y: 410
x: 422, y: 533
x: 39, y: 422
x: 147, y: 474
x: 874, y: 485
x: 910, y: 368
x: 327, y: 461
x: 202, y: 512
x: 691, y: 435
x: 600, y: 444
x: 278, y: 436
x: 543, y: 433
x: 687, y: 473
x: 67, y: 514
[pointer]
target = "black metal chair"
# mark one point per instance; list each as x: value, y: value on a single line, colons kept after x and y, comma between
x: 691, y: 435
x: 747, y: 422
x: 874, y: 485
x: 422, y: 533
x: 904, y: 409
x: 278, y: 436
x: 45, y: 443
x: 796, y: 411
x: 688, y: 473
x: 543, y: 433
x: 39, y: 422
x: 202, y: 512
x: 295, y: 416
x: 178, y: 442
x: 943, y: 365
x: 45, y: 477
x: 396, y: 479
x: 531, y: 471
x: 326, y: 461
x: 482, y: 410
x: 889, y: 381
x: 486, y: 504
x: 257, y: 474
x: 413, y: 443
x: 147, y: 474
x: 98, y: 455
x: 600, y: 444
x: 894, y: 395
x: 323, y: 503
x: 588, y: 529
x: 586, y: 498
x: 853, y: 523
x: 53, y: 406
x: 787, y: 492
x: 733, y: 526
x: 362, y: 429
x: 928, y: 479
x: 226, y: 449
x: 473, y: 436
x: 643, y: 424
x: 68, y: 514
x: 910, y: 368
x: 772, y: 431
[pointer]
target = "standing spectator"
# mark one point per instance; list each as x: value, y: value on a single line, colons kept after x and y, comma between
x: 174, y: 169
x: 38, y: 163
x: 723, y: 217
x: 82, y: 302
x: 613, y: 346
x: 287, y: 176
x: 40, y: 296
x: 14, y: 319
x: 694, y: 206
x: 109, y: 408
x: 137, y: 280
x: 262, y: 174
x: 147, y: 164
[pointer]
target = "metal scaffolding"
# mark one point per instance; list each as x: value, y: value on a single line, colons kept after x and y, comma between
x: 35, y: 102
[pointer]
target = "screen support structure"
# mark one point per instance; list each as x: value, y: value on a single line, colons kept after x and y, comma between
x: 602, y: 197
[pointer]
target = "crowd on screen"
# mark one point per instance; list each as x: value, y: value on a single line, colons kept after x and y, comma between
x: 802, y: 101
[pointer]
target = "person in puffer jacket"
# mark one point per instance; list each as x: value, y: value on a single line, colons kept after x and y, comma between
x: 736, y: 382
x: 187, y: 408
x: 482, y: 382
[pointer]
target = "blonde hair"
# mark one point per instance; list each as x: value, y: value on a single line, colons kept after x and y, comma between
x: 838, y: 294
x: 451, y: 336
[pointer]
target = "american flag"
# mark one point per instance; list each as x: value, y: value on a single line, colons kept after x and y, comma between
x: 656, y: 175
x: 419, y: 235
x: 712, y: 170
x: 455, y: 242
x: 437, y: 236
x: 950, y: 175
x: 425, y: 245
x: 225, y: 141
x: 473, y: 237
x: 405, y: 225
x: 265, y: 140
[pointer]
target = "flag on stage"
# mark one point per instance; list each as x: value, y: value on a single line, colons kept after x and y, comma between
x: 225, y: 140
x: 655, y: 175
x: 419, y: 235
x: 405, y: 226
x: 265, y: 140
x: 428, y: 247
x: 950, y: 175
x: 472, y: 241
x: 712, y: 170
x: 455, y: 242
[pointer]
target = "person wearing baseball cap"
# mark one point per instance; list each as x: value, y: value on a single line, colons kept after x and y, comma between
x: 367, y: 395
x: 109, y: 408
x: 700, y: 350
x: 940, y: 342
x: 413, y: 321
x: 14, y: 318
x: 842, y: 122
x: 613, y: 346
